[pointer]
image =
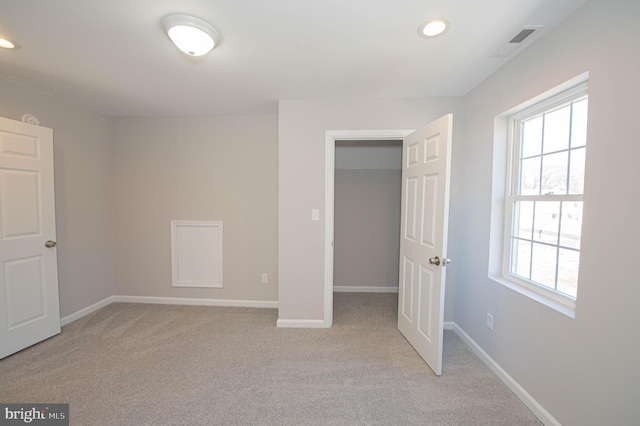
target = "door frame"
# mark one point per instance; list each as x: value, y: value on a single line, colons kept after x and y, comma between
x: 331, y: 136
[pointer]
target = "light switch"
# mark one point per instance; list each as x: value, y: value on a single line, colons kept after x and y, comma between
x: 315, y: 214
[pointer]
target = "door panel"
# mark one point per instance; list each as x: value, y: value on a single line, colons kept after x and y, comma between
x: 20, y: 193
x: 429, y: 209
x: 432, y: 149
x: 425, y: 325
x: 19, y: 145
x: 408, y: 284
x: 411, y: 208
x: 24, y: 290
x: 29, y: 306
x: 425, y: 213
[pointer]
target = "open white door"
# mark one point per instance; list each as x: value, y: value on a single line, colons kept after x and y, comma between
x: 29, y: 307
x: 423, y: 238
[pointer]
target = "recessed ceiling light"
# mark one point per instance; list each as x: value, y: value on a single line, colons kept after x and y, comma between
x: 191, y: 35
x: 433, y: 28
x: 8, y: 44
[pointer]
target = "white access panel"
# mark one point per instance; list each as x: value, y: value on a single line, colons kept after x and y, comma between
x: 196, y: 253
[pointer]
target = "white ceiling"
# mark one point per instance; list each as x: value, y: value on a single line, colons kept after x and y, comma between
x: 113, y: 57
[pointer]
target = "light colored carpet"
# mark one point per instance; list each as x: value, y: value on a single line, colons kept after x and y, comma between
x: 135, y: 364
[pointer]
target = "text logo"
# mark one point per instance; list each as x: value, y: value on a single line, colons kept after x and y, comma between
x: 34, y: 414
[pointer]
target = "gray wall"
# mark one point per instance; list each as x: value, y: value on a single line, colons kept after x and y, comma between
x: 584, y: 371
x: 222, y: 168
x: 82, y: 160
x: 367, y: 227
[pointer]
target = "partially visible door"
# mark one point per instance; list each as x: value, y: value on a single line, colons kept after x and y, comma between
x: 423, y: 239
x: 29, y: 306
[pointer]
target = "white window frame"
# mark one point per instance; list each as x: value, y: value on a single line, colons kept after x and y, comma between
x: 502, y: 217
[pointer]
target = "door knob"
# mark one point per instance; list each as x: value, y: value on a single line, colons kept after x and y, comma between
x: 50, y: 244
x: 436, y: 261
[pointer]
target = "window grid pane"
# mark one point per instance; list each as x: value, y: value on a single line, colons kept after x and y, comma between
x: 579, y: 123
x: 532, y: 137
x: 544, y: 264
x: 523, y: 221
x: 557, y: 124
x: 554, y: 173
x: 530, y: 176
x: 576, y: 170
x: 521, y: 258
x: 546, y: 222
x: 571, y: 225
x: 568, y: 264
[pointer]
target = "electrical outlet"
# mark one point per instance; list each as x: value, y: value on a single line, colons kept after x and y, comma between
x: 489, y: 321
x: 265, y: 278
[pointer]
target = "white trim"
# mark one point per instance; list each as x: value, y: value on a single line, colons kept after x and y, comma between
x: 302, y: 323
x: 538, y: 410
x: 553, y: 98
x: 449, y: 325
x: 86, y: 311
x: 549, y: 298
x: 329, y: 188
x: 196, y: 302
x: 567, y: 85
x: 329, y: 158
x: 166, y: 301
x: 363, y: 289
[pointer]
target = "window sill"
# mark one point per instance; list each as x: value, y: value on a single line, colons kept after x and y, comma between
x: 538, y: 294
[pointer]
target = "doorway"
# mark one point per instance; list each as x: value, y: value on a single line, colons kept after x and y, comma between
x: 367, y: 198
x: 425, y: 172
x: 331, y: 139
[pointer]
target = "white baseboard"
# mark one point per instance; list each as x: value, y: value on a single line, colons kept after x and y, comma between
x: 198, y: 302
x: 363, y: 289
x: 292, y: 323
x: 166, y: 301
x: 543, y: 415
x: 86, y: 311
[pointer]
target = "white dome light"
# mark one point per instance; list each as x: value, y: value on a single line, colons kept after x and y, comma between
x: 191, y: 35
x: 8, y: 44
x: 433, y: 28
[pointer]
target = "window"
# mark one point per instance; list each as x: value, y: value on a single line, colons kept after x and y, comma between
x: 544, y: 191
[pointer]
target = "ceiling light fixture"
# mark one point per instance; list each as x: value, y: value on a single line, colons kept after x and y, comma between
x: 191, y: 35
x: 8, y: 44
x: 433, y: 28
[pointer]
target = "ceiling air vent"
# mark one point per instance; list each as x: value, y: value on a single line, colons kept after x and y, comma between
x: 522, y: 35
x: 524, y: 38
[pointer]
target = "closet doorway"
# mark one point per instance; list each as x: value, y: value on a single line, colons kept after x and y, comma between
x: 367, y: 200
